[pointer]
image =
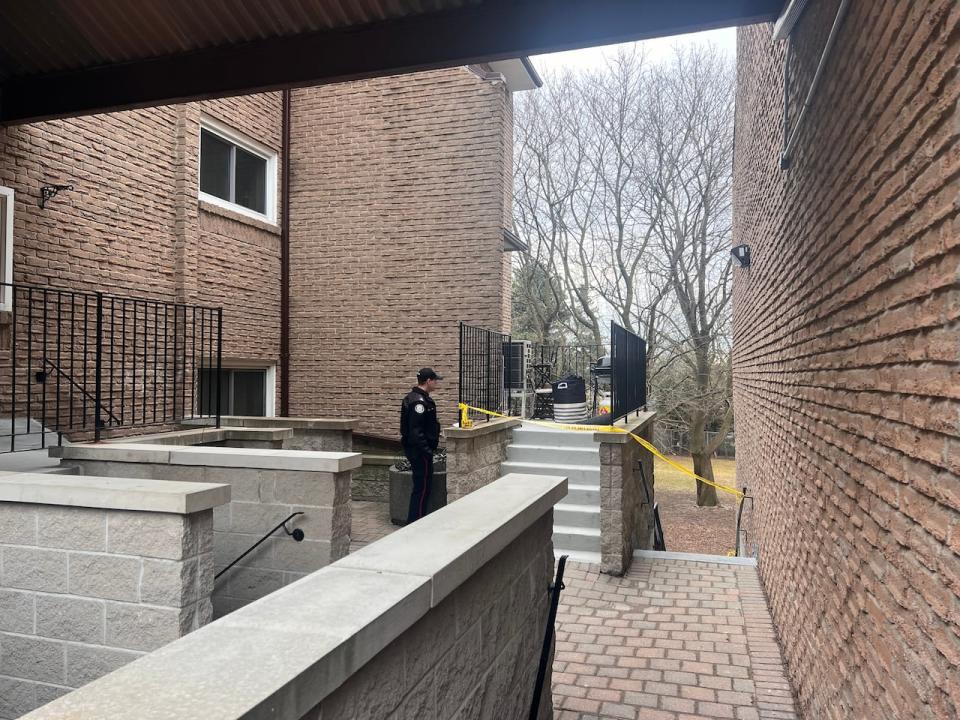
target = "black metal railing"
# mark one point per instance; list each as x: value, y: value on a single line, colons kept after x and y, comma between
x: 557, y: 361
x: 488, y: 360
x: 549, y: 363
x: 85, y: 362
x: 628, y: 372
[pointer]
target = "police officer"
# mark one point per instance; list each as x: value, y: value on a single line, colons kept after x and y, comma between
x: 420, y: 434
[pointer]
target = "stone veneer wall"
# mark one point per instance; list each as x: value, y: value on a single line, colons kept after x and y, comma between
x: 84, y: 591
x: 474, y: 655
x: 845, y: 355
x: 474, y: 455
x: 261, y: 498
x: 441, y: 619
x: 626, y: 514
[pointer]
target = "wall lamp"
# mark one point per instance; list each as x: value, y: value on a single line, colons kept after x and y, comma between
x: 48, y: 192
x: 742, y: 254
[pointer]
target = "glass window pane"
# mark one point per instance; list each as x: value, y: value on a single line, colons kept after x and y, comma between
x: 249, y: 392
x: 251, y: 189
x: 206, y: 389
x: 214, y: 165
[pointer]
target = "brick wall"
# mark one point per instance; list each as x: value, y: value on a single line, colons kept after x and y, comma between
x: 847, y: 334
x: 385, y: 173
x: 397, y: 209
x: 84, y: 591
x: 134, y: 226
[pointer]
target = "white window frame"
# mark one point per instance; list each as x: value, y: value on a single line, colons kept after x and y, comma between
x: 210, y: 125
x: 7, y: 221
x: 269, y: 383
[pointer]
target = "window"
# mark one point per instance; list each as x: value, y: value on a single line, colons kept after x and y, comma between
x: 243, y: 391
x: 237, y: 173
x: 6, y: 246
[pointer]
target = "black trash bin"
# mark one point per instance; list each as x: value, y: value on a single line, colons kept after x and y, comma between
x: 570, y: 399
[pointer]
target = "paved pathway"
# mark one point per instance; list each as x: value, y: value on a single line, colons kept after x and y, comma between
x: 370, y: 521
x: 676, y: 638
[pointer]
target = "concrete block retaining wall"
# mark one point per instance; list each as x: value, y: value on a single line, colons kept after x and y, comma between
x: 474, y: 455
x: 319, y: 434
x: 442, y: 619
x: 95, y: 573
x: 267, y: 486
x: 626, y: 513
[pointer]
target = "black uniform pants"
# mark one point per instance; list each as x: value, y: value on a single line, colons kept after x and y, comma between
x: 422, y: 465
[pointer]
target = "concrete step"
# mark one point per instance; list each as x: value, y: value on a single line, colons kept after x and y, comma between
x: 576, y: 539
x: 585, y: 516
x: 581, y: 474
x: 554, y: 455
x: 577, y: 555
x: 538, y: 435
x: 583, y: 495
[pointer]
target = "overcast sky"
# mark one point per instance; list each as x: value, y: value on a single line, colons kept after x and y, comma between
x: 656, y: 49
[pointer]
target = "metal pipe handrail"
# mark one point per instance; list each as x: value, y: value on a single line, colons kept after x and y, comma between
x: 296, y: 534
x: 80, y: 388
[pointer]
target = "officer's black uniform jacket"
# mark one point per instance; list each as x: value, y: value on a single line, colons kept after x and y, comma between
x: 419, y: 426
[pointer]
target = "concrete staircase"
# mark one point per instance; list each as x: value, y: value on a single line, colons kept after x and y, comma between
x: 537, y: 450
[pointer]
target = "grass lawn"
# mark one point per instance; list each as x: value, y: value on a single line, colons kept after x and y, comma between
x: 686, y: 527
x: 668, y: 478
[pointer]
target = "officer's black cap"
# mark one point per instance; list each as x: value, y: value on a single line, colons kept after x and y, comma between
x: 425, y: 374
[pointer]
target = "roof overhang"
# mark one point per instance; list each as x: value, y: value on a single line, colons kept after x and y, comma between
x: 77, y: 57
x: 512, y: 242
x: 519, y: 74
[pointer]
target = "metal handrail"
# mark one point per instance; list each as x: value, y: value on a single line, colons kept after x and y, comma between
x: 78, y: 386
x: 296, y: 534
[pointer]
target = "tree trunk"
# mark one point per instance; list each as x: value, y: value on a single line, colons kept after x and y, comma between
x: 702, y: 466
x: 706, y: 494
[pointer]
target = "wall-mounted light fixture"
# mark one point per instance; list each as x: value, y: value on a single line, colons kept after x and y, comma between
x: 48, y: 192
x: 742, y: 254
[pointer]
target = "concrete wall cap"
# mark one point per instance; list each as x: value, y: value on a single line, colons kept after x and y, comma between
x: 281, y: 422
x: 483, y: 428
x: 282, y: 655
x: 112, y: 493
x: 634, y: 425
x: 198, y: 436
x: 310, y: 460
x: 451, y: 544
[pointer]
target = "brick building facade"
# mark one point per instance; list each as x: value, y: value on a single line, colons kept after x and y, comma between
x: 400, y: 197
x: 382, y: 172
x: 846, y: 350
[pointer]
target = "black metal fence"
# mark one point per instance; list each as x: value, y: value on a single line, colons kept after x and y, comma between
x: 628, y: 372
x: 489, y: 363
x: 84, y: 362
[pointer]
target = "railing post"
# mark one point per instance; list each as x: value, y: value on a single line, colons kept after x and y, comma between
x: 489, y: 381
x: 460, y: 368
x: 219, y: 355
x: 98, y: 372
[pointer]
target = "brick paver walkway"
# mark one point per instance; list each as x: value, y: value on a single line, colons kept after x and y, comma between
x: 674, y: 639
x: 369, y: 521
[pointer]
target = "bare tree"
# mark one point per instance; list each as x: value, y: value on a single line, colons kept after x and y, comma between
x: 622, y: 192
x: 693, y: 128
x: 550, y: 181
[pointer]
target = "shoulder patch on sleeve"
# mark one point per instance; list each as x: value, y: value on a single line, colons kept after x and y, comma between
x: 419, y: 408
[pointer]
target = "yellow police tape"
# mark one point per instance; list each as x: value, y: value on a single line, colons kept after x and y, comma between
x: 610, y: 429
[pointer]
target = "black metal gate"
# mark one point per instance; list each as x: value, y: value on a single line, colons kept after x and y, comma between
x: 84, y: 362
x: 628, y: 372
x: 488, y: 361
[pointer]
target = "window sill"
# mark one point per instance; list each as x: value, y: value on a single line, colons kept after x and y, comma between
x: 214, y: 209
